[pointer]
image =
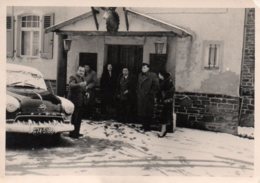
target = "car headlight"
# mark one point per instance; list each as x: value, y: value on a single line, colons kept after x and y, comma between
x: 12, y: 104
x: 67, y: 105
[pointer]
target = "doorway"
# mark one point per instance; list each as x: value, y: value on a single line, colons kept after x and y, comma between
x: 88, y: 59
x: 130, y: 56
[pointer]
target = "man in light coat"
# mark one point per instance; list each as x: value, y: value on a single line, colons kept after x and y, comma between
x: 91, y: 81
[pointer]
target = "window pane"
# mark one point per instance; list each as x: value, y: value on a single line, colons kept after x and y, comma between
x: 28, y: 24
x: 23, y: 24
x: 35, y: 18
x: 35, y: 24
x: 23, y: 18
x: 35, y: 48
x: 29, y: 18
x: 25, y: 43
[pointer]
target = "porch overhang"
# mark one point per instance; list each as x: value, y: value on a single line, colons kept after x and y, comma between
x: 122, y: 34
x: 170, y: 29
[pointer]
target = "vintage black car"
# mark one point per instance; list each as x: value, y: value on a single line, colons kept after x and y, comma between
x: 30, y: 107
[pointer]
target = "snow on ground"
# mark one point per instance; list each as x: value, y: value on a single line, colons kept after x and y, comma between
x: 110, y: 148
x: 247, y: 132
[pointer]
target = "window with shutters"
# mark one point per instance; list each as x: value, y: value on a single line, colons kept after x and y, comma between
x: 9, y: 36
x: 32, y: 41
x: 212, y: 54
x: 30, y: 35
x: 47, y: 38
x: 9, y: 22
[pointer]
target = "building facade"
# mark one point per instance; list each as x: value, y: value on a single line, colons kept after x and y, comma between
x: 209, y: 53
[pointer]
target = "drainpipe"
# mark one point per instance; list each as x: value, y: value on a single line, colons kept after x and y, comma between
x: 242, y: 61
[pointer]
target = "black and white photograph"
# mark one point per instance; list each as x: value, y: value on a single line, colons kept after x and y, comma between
x: 130, y: 91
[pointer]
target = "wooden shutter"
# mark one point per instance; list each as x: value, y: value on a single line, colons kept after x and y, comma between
x: 47, y: 38
x: 18, y: 36
x: 10, y: 36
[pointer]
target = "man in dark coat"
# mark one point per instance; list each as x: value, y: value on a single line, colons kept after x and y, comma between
x: 147, y: 88
x: 76, y: 94
x: 91, y: 81
x: 125, y: 96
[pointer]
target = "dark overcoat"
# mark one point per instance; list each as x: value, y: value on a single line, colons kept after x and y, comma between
x: 147, y: 88
x: 124, y: 84
x: 108, y: 87
x: 165, y: 98
x: 76, y: 92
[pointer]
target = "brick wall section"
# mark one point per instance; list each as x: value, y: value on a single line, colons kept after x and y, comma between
x: 248, y: 71
x: 207, y: 111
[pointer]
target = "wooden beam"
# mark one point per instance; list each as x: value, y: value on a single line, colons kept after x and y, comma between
x: 68, y: 22
x: 61, y: 67
x: 126, y: 19
x: 104, y: 33
x: 95, y: 12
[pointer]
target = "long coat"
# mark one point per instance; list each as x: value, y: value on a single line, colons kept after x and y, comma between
x: 108, y: 87
x: 76, y: 92
x: 147, y: 87
x: 124, y: 84
x: 165, y: 98
x: 91, y: 79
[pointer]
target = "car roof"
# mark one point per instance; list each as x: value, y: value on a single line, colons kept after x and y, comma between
x: 16, y: 67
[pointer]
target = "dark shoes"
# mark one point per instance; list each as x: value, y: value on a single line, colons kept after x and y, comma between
x: 146, y: 128
x: 162, y: 135
x: 75, y: 136
x: 80, y: 135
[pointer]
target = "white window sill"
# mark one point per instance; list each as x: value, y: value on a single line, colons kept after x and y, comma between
x: 30, y: 57
x: 211, y: 68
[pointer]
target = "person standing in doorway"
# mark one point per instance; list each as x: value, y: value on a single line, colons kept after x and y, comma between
x: 125, y: 96
x: 108, y: 88
x: 76, y: 94
x: 147, y: 88
x: 165, y: 99
x: 91, y: 81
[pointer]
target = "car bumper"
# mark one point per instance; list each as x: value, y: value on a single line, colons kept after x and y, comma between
x: 38, y: 128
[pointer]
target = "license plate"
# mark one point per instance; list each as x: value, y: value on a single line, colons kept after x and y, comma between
x: 43, y: 130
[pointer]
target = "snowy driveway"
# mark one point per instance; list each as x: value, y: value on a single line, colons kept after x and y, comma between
x: 109, y: 148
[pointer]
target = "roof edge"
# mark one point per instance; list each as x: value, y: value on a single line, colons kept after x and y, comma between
x: 56, y: 27
x: 178, y: 30
x: 181, y: 32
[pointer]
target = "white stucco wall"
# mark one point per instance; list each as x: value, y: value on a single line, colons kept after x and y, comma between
x: 46, y: 66
x: 225, y: 25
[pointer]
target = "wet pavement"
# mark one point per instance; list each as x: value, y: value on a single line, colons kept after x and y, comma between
x: 110, y: 148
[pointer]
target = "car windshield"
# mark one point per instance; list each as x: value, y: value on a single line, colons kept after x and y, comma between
x: 25, y: 79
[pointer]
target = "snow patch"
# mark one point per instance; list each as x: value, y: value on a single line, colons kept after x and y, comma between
x: 247, y: 132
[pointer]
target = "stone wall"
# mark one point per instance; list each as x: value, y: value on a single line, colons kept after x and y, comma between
x: 248, y: 71
x: 207, y: 111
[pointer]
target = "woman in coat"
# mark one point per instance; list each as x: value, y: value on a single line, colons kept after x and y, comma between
x: 165, y: 99
x: 147, y: 88
x: 108, y: 84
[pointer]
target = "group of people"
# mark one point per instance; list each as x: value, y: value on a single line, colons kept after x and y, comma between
x: 122, y: 96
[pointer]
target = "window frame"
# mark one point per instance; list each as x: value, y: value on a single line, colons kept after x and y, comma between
x: 205, y: 54
x: 31, y: 30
